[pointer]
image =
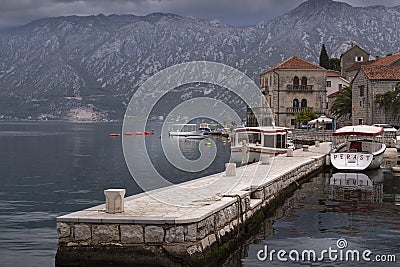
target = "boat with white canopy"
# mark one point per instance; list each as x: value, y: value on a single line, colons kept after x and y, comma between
x: 360, y: 151
x: 250, y: 142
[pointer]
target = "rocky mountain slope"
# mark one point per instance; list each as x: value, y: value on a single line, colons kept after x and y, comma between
x: 89, y: 67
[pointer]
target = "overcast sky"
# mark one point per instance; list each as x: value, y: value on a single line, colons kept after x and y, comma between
x: 234, y: 12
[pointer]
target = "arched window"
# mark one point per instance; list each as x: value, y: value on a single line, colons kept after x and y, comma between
x: 304, y: 80
x: 295, y: 103
x: 304, y: 103
x: 296, y: 80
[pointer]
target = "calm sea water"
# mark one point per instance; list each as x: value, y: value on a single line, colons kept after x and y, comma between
x: 48, y: 169
x: 319, y: 213
x: 52, y: 168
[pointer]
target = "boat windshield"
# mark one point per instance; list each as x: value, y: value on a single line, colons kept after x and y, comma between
x: 249, y: 137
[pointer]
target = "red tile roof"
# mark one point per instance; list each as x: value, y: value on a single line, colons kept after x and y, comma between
x: 333, y: 94
x: 382, y: 72
x: 386, y: 61
x: 295, y: 63
x: 331, y: 73
x: 357, y: 65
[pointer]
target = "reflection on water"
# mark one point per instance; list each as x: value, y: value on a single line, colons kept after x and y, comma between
x: 360, y: 208
x: 355, y: 187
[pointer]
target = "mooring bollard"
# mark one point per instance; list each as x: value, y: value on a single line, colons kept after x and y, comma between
x: 289, y: 152
x: 230, y: 169
x: 305, y: 147
x: 316, y: 143
x: 264, y: 159
x: 114, y: 200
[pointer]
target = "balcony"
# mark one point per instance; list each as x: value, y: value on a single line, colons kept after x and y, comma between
x: 300, y: 88
x: 296, y: 109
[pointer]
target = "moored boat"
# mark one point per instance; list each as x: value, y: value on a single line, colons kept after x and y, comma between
x: 360, y: 151
x: 255, y: 141
x: 188, y: 131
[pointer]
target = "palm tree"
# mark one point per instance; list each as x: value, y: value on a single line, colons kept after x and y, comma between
x: 342, y: 105
x: 390, y: 101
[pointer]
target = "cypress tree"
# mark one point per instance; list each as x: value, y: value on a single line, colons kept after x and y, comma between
x: 324, y: 58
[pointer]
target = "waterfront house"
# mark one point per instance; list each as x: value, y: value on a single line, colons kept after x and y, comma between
x: 291, y: 86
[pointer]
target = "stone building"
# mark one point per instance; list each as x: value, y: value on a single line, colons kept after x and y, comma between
x: 354, y: 55
x: 368, y: 82
x: 292, y: 86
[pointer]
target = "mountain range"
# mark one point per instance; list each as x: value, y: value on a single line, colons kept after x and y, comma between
x: 87, y: 68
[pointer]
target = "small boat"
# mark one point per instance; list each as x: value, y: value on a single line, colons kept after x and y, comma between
x: 205, y: 128
x: 360, y: 151
x: 114, y: 134
x: 255, y: 141
x: 196, y: 136
x: 127, y: 133
x: 187, y: 130
x: 138, y: 133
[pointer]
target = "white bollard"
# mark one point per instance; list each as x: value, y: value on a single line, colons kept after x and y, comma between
x: 230, y: 169
x: 305, y: 147
x: 316, y: 143
x: 114, y: 200
x: 289, y: 152
x: 264, y: 159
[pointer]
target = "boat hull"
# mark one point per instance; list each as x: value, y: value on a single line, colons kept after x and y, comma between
x: 253, y: 153
x: 189, y: 134
x: 356, y: 161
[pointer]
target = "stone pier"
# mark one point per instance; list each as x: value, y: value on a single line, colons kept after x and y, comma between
x: 193, y: 224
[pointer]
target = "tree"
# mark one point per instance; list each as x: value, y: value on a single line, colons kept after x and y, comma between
x: 390, y: 101
x: 342, y: 105
x: 335, y: 64
x: 305, y: 115
x: 324, y: 58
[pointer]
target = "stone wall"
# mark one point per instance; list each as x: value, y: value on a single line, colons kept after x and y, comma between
x: 364, y: 107
x: 361, y: 106
x: 378, y: 114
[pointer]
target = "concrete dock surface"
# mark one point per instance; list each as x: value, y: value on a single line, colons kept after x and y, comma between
x: 195, y: 200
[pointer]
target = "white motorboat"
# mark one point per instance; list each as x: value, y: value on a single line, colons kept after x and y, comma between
x: 360, y: 150
x: 188, y: 131
x: 250, y: 142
